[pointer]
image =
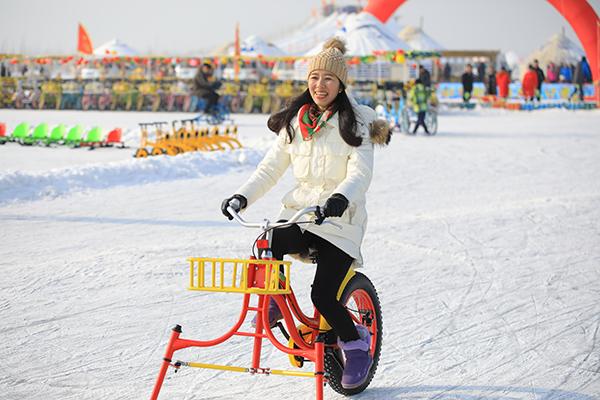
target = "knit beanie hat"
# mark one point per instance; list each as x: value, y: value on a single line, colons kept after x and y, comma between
x: 331, y: 59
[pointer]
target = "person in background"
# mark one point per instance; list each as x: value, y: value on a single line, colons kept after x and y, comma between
x: 419, y: 95
x: 582, y: 75
x: 565, y: 75
x: 467, y: 83
x: 552, y: 73
x: 540, y: 79
x: 530, y: 83
x: 424, y: 76
x: 481, y: 67
x: 447, y: 74
x: 205, y: 87
x: 587, y: 72
x: 503, y: 81
x: 491, y: 81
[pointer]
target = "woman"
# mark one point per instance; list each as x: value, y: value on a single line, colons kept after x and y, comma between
x: 503, y: 81
x: 325, y: 137
x: 530, y: 83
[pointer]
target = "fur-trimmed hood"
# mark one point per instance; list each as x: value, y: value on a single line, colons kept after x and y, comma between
x: 379, y: 129
x: 380, y: 132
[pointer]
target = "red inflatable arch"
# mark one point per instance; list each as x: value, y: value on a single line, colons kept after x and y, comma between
x: 580, y: 15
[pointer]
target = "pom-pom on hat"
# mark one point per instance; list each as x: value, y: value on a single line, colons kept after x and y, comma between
x: 331, y: 59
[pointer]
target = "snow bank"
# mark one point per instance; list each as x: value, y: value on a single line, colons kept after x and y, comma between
x: 19, y: 185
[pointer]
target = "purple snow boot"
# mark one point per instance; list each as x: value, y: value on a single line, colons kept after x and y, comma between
x: 274, y: 315
x: 358, y: 359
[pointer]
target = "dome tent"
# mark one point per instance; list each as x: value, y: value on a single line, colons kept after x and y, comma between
x: 115, y: 48
x: 558, y: 49
x: 316, y: 30
x: 364, y: 34
x: 417, y: 39
x: 254, y: 46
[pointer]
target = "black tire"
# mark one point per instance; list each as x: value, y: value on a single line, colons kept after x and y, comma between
x: 405, y: 121
x: 359, y: 295
x: 431, y: 120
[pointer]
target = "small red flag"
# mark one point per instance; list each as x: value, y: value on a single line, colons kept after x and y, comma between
x: 84, y: 44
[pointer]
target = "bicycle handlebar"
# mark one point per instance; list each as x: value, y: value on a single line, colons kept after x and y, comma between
x: 266, y: 224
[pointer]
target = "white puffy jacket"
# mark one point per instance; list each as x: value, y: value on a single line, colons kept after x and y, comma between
x: 322, y: 166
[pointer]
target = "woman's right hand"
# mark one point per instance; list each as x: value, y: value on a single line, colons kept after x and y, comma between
x: 238, y: 205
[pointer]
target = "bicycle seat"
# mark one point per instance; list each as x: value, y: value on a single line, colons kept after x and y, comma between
x: 310, y: 257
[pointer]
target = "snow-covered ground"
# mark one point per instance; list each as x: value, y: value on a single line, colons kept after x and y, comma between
x: 483, y: 242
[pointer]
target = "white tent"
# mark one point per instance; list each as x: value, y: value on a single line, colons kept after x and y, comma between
x: 417, y: 39
x: 254, y: 46
x: 364, y: 34
x: 558, y: 49
x: 315, y: 31
x: 115, y: 48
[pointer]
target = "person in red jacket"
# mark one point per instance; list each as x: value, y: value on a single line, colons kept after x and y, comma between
x: 503, y: 80
x: 530, y: 83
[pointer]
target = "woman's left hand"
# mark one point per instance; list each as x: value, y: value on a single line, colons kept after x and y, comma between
x: 335, y: 205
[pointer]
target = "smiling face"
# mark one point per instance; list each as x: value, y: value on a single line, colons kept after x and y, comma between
x: 323, y: 87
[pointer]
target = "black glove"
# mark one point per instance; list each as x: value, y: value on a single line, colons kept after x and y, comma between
x: 335, y: 205
x: 243, y: 202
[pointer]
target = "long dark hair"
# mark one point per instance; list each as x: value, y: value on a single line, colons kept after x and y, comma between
x: 341, y: 105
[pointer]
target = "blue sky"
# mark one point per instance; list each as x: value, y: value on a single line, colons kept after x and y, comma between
x: 185, y: 27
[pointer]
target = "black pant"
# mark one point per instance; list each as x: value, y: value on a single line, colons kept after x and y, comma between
x: 420, y: 121
x: 332, y: 267
x: 578, y: 90
x: 211, y: 101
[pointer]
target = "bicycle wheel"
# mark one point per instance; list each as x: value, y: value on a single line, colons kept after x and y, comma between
x: 362, y: 302
x: 431, y: 121
x: 405, y: 121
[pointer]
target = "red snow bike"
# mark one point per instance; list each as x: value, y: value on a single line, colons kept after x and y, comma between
x: 309, y: 337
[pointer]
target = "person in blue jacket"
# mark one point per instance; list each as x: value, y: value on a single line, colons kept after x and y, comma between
x: 565, y: 73
x: 583, y: 74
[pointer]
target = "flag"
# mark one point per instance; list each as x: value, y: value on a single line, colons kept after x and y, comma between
x: 236, y: 65
x: 84, y: 44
